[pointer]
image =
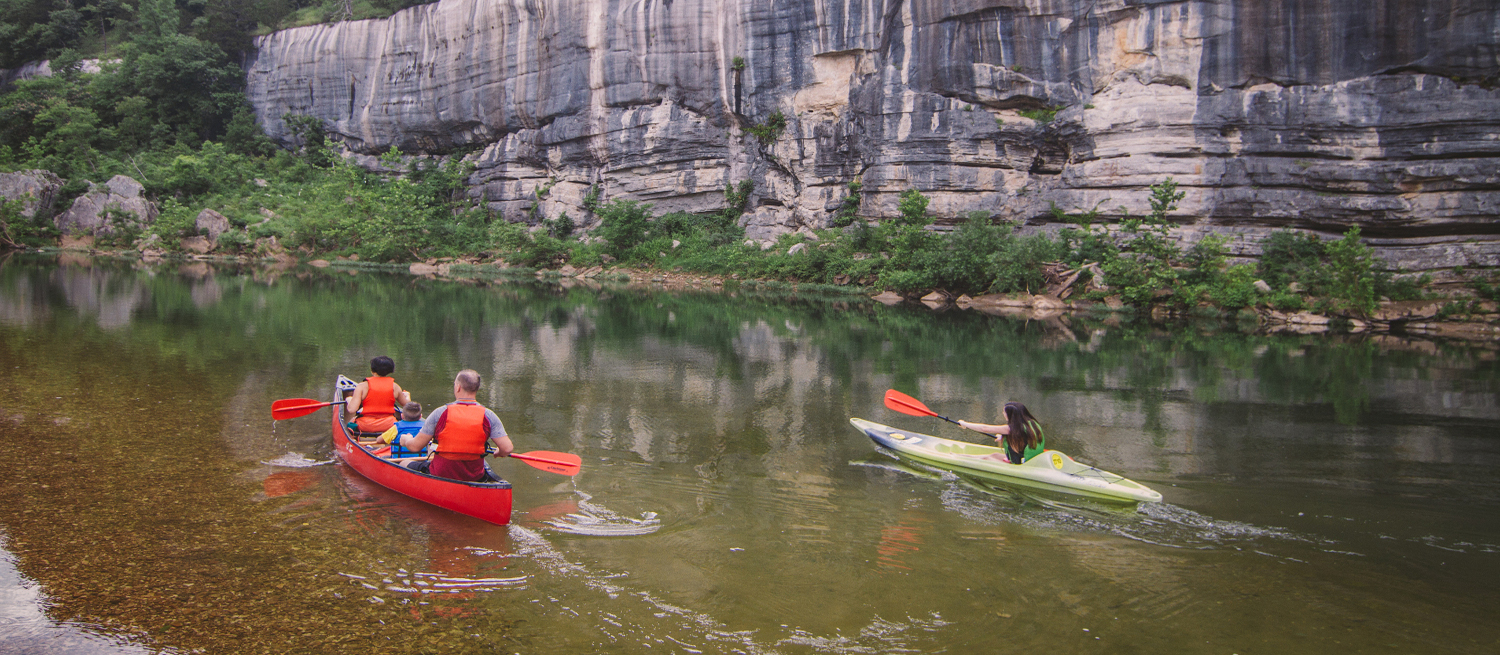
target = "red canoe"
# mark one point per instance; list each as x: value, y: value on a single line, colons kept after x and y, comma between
x: 489, y: 501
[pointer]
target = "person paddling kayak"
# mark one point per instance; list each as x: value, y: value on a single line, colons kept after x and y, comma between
x: 1021, y: 436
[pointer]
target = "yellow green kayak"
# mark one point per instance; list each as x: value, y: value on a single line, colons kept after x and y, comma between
x: 1051, y: 470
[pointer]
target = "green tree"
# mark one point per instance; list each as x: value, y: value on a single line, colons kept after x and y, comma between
x: 1353, y: 266
x: 312, y: 139
x: 1147, y: 269
x: 190, y: 84
x: 913, y: 256
x: 71, y: 134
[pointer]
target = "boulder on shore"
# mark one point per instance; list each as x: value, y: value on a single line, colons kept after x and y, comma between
x: 212, y: 224
x: 107, y: 208
x: 36, y: 189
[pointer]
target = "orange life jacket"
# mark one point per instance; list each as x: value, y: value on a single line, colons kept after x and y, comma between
x: 380, y: 397
x: 462, y: 430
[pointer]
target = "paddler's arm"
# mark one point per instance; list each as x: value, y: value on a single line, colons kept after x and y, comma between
x: 356, y: 398
x: 402, y: 396
x: 997, y: 430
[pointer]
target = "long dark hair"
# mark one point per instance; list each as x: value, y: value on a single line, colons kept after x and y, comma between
x: 1025, y: 431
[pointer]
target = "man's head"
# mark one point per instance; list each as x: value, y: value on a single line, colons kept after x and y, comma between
x: 382, y: 365
x: 411, y: 412
x: 467, y: 381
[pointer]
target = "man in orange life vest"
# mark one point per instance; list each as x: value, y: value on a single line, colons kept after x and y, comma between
x: 374, y: 401
x: 462, y: 428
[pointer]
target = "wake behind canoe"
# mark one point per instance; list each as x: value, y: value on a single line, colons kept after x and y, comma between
x: 1051, y: 470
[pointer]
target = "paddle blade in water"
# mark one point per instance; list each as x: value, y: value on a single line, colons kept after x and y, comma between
x: 560, y: 463
x: 293, y: 407
x: 900, y: 402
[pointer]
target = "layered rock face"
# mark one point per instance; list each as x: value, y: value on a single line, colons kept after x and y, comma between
x: 1313, y: 115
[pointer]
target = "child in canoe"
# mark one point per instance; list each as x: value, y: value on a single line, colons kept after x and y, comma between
x: 410, y: 424
x: 374, y: 402
x: 1021, y: 436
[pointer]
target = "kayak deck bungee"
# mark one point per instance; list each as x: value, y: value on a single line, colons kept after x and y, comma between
x: 488, y: 501
x: 1051, y: 470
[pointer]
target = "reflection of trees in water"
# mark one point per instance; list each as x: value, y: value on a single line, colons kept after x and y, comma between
x: 691, y: 377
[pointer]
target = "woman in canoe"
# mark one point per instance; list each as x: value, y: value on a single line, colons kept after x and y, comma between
x: 374, y: 401
x: 1021, y: 435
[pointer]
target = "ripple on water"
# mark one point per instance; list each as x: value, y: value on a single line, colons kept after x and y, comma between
x: 435, y: 583
x: 597, y: 521
x: 296, y: 460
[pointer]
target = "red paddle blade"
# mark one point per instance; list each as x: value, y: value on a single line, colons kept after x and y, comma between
x: 294, y: 407
x: 560, y: 463
x: 900, y: 402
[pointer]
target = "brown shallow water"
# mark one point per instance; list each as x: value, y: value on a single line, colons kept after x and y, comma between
x: 1322, y: 494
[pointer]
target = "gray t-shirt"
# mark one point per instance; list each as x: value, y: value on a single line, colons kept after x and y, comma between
x: 429, y: 428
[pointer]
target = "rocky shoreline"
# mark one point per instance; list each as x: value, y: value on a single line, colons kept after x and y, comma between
x: 1480, y: 321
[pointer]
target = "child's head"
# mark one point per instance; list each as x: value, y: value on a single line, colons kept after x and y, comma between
x: 411, y: 412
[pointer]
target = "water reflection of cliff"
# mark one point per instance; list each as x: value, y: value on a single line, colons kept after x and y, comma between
x: 695, y: 379
x: 1170, y: 405
x: 99, y: 295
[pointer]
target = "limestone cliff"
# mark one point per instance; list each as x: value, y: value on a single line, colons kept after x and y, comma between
x: 1318, y: 114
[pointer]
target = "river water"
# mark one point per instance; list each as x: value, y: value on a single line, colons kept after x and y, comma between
x: 1321, y: 493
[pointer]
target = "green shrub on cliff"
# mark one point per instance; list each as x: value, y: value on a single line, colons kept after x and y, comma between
x: 771, y: 129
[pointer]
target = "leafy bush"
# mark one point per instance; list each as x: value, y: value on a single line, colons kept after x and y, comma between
x: 1352, y: 265
x: 561, y: 227
x: 1017, y: 265
x: 1235, y: 288
x: 913, y: 209
x: 1206, y: 259
x: 1408, y: 287
x: 913, y: 262
x: 1344, y: 273
x: 715, y: 228
x: 964, y: 264
x: 174, y: 220
x: 312, y: 139
x: 1147, y: 267
x: 18, y: 230
x: 542, y: 251
x: 623, y: 223
x: 1084, y: 244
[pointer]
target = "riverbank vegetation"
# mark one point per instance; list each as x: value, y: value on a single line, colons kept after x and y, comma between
x: 167, y: 108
